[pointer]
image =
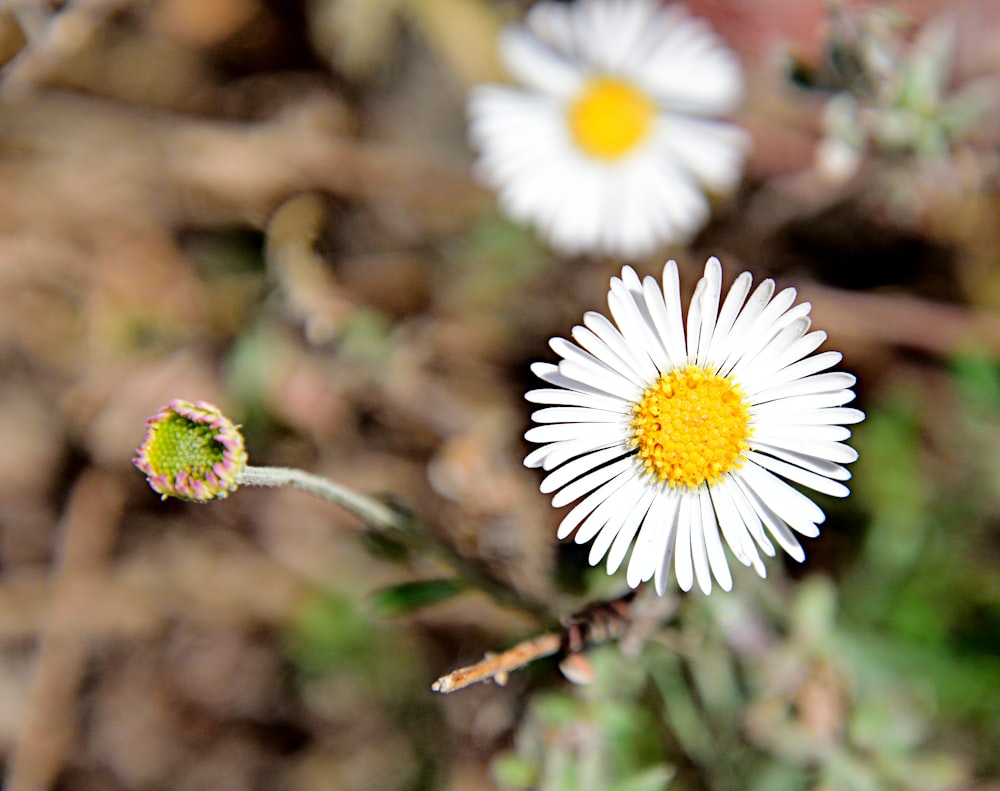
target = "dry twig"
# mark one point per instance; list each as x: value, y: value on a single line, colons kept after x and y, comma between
x: 599, y: 623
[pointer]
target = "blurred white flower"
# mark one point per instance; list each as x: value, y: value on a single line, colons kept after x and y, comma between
x: 679, y: 437
x: 613, y: 141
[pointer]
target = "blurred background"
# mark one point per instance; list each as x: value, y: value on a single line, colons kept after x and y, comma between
x: 269, y: 205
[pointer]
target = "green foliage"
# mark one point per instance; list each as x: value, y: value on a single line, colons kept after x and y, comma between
x: 892, y: 486
x: 920, y: 587
x: 602, y: 737
x: 333, y: 635
x: 977, y: 378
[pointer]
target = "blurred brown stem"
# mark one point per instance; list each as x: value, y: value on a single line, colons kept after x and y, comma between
x: 903, y: 320
x: 88, y: 532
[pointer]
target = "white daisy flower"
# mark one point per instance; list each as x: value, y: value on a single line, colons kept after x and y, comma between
x: 613, y: 141
x: 676, y: 440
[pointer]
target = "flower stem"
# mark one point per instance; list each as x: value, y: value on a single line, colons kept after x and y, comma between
x: 403, y: 527
x: 372, y: 511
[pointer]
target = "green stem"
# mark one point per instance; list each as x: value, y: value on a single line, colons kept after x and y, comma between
x: 372, y: 511
x: 380, y: 516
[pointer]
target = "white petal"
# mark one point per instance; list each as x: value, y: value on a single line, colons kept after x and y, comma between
x: 600, y: 350
x: 733, y: 526
x: 628, y: 531
x: 664, y: 308
x: 551, y: 374
x: 647, y: 548
x: 614, y: 30
x: 578, y: 355
x: 531, y: 62
x: 810, y: 385
x: 748, y: 513
x: 589, y: 482
x: 592, y: 501
x: 832, y: 416
x: 683, y: 566
x: 634, y: 325
x: 571, y: 414
x: 709, y: 305
x: 612, y: 511
x: 823, y: 458
x: 555, y: 453
x: 689, y: 67
x: 787, y: 436
x: 713, y: 151
x: 651, y: 200
x: 727, y: 316
x: 553, y: 23
x: 794, y: 508
x: 579, y: 466
x: 631, y: 305
x: 671, y: 506
x: 614, y: 520
x: 804, y: 403
x: 801, y: 346
x: 694, y: 321
x: 789, y: 345
x: 699, y: 554
x: 754, y: 306
x: 799, y: 475
x: 774, y: 524
x: 713, y: 542
x: 803, y: 368
x: 778, y: 314
x: 674, y: 201
x: 601, y: 378
x: 560, y: 432
x: 573, y: 398
x: 607, y: 332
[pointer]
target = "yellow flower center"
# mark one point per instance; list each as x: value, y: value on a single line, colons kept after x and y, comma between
x: 690, y: 427
x: 610, y: 118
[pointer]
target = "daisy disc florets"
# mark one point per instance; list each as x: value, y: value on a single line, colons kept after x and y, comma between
x: 613, y: 141
x: 679, y: 438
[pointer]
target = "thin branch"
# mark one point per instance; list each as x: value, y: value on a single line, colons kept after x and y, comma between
x: 599, y: 623
x: 496, y: 667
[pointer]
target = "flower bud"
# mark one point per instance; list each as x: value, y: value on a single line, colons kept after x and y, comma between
x: 191, y: 451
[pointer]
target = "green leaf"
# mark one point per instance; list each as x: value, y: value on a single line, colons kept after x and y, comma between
x: 680, y: 706
x: 410, y: 596
x: 656, y: 778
